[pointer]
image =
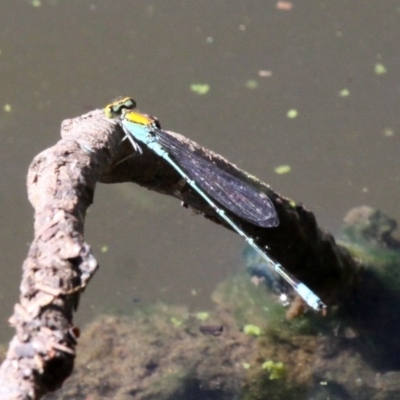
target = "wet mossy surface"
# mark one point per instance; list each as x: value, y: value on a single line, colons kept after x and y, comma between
x: 160, y: 353
x: 243, y: 348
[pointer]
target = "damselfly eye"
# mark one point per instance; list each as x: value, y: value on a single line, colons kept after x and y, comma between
x: 116, y: 108
x: 129, y: 104
x: 124, y: 104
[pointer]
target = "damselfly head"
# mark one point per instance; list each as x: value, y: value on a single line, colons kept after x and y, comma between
x: 116, y: 108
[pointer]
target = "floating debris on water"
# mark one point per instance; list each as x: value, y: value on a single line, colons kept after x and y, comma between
x: 283, y: 169
x: 200, y: 88
x: 344, y: 93
x: 284, y: 5
x: 251, y: 84
x: 264, y: 73
x: 380, y: 69
x: 388, y: 132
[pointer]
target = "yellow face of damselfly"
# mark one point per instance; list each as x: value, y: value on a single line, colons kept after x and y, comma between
x: 116, y: 108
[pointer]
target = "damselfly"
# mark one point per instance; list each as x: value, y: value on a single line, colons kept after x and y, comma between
x: 216, y: 186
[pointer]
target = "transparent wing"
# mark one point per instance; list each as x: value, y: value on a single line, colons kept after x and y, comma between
x: 235, y: 194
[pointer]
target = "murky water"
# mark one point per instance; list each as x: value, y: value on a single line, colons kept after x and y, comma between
x: 336, y: 63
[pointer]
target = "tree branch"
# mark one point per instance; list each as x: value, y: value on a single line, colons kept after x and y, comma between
x: 59, y: 265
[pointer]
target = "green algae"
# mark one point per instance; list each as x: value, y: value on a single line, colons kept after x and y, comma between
x: 276, y: 370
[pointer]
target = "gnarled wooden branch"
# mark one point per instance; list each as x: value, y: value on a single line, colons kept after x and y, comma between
x: 61, y: 183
